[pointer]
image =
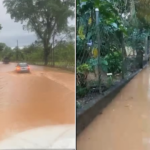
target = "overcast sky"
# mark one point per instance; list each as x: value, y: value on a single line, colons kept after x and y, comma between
x: 12, y: 31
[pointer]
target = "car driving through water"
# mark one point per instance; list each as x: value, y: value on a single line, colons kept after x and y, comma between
x: 22, y: 67
x: 6, y: 60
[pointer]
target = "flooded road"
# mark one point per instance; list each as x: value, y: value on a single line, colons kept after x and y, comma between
x: 125, y: 123
x: 43, y: 97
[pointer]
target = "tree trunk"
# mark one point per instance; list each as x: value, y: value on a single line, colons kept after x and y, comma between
x: 124, y: 54
x: 139, y: 59
x: 53, y: 59
x: 46, y: 54
x: 45, y: 60
x: 122, y: 44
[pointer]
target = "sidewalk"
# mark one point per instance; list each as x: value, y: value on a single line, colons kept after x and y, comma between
x: 42, y: 138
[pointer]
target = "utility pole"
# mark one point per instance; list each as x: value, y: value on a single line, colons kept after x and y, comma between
x: 99, y: 44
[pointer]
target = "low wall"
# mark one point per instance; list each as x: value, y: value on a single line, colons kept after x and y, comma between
x: 86, y: 115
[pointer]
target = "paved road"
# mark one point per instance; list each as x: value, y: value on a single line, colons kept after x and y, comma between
x: 125, y: 123
x: 40, y: 99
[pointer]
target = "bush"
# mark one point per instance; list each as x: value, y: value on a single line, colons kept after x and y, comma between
x: 114, y: 62
x: 82, y: 72
x: 81, y: 91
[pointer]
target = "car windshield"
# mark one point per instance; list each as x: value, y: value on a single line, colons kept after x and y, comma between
x: 23, y: 64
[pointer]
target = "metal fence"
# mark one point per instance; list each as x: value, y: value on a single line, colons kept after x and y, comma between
x: 113, y: 69
x: 103, y: 58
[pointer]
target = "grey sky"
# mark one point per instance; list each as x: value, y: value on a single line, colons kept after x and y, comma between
x: 12, y: 31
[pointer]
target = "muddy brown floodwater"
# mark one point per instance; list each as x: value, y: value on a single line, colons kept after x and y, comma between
x: 43, y: 97
x: 125, y: 123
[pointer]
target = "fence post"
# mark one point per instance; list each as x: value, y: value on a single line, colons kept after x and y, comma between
x: 148, y: 39
x: 99, y: 42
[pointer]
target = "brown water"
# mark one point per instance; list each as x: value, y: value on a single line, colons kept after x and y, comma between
x: 43, y: 97
x: 125, y: 123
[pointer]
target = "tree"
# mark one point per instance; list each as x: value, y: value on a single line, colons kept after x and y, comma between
x: 44, y: 17
x: 2, y: 46
x: 64, y: 52
x: 5, y: 51
x: 67, y: 35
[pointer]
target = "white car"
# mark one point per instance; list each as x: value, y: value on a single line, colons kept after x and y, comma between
x: 22, y: 67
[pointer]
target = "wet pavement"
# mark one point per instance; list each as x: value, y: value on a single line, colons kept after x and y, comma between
x: 124, y: 123
x: 45, y: 97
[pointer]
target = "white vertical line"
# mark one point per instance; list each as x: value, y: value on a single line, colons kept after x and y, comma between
x: 75, y: 79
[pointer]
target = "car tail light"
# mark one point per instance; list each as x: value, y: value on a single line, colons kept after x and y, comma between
x: 18, y: 68
x: 28, y: 68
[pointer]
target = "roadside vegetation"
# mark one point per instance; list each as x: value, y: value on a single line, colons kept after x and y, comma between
x: 123, y: 28
x: 63, y: 56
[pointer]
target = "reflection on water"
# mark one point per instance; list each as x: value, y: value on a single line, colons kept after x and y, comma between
x: 125, y: 123
x: 44, y: 97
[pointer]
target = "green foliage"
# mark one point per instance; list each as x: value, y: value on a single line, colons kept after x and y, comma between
x: 137, y: 39
x: 65, y: 52
x: 123, y: 28
x: 110, y: 23
x: 2, y: 46
x: 81, y: 91
x: 84, y: 68
x: 103, y: 63
x: 114, y: 60
x: 5, y: 51
x: 81, y: 73
x: 109, y: 81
